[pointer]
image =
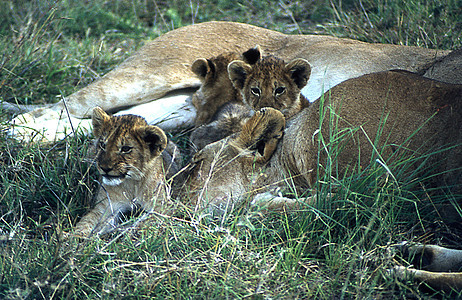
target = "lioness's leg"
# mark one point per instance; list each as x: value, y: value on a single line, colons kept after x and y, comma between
x: 432, y: 257
x: 50, y: 125
x: 441, y: 266
x: 438, y: 280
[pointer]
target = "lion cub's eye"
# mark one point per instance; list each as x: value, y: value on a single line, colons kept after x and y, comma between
x: 126, y: 149
x: 256, y: 91
x: 280, y: 90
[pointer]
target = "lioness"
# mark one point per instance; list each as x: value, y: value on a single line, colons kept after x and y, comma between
x: 134, y: 160
x: 163, y: 66
x: 377, y: 117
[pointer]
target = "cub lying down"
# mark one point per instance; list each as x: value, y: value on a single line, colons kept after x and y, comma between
x: 380, y: 116
x: 134, y: 160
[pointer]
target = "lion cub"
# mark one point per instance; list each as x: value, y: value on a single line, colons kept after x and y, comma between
x: 217, y: 90
x: 271, y: 82
x: 228, y: 98
x: 134, y: 159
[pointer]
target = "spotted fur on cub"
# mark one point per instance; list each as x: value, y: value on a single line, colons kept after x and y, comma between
x: 134, y: 160
x: 271, y: 82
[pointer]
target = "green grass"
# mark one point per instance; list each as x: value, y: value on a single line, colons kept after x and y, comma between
x: 339, y: 249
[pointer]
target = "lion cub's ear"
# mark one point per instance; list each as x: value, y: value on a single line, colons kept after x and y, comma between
x: 262, y: 133
x: 99, y: 119
x: 300, y: 71
x: 201, y: 67
x: 155, y: 138
x: 238, y: 72
x: 252, y: 55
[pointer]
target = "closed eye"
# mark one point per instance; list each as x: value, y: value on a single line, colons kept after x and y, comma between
x: 256, y: 91
x: 279, y: 91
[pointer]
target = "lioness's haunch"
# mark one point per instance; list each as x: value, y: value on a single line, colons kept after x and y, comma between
x: 163, y: 66
x: 134, y: 160
x: 388, y: 114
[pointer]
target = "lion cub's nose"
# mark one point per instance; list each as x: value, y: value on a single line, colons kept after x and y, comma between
x: 105, y: 170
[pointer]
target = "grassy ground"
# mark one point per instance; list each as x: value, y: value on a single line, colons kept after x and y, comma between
x: 56, y: 47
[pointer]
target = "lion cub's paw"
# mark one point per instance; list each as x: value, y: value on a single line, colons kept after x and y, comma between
x: 267, y: 123
x: 263, y: 131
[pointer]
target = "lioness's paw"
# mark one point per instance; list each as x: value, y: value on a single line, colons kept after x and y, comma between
x: 46, y: 125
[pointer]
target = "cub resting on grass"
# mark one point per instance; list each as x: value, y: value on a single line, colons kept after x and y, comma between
x: 162, y: 66
x: 135, y: 161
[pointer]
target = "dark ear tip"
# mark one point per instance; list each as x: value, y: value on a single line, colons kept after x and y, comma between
x: 156, y: 139
x: 300, y: 70
x: 252, y: 55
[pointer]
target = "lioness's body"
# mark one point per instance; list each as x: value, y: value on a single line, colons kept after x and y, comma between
x: 394, y: 112
x: 163, y: 66
x: 134, y: 160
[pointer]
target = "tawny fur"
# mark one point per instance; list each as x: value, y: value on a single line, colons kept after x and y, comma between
x: 206, y: 186
x: 421, y: 115
x: 229, y: 119
x: 134, y: 160
x: 216, y: 89
x: 163, y: 66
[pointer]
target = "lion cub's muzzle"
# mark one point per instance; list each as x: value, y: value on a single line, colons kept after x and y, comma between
x: 112, y: 180
x: 109, y: 176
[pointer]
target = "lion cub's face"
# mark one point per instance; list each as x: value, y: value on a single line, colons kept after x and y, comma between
x: 217, y: 89
x: 270, y: 82
x: 124, y: 145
